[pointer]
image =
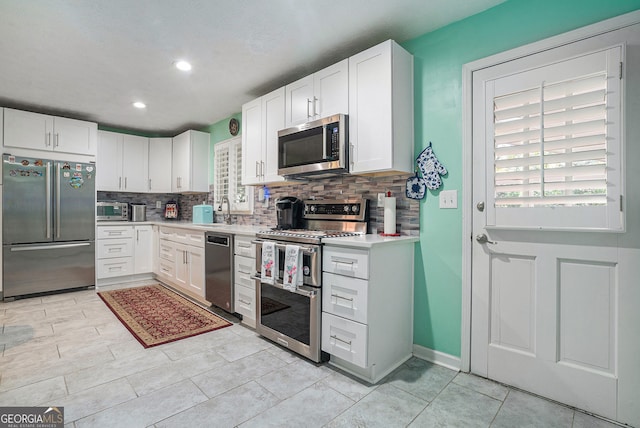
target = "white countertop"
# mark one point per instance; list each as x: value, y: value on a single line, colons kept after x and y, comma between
x: 368, y: 241
x: 363, y: 241
x: 236, y: 229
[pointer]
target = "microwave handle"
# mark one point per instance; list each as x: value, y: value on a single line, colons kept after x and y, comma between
x: 324, y: 142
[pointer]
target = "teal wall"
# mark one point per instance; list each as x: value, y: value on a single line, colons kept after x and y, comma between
x: 219, y: 132
x: 439, y: 57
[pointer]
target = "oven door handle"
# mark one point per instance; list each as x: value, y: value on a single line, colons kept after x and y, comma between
x: 306, y: 291
x: 283, y: 246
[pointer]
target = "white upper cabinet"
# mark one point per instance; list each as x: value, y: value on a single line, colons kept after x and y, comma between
x: 135, y: 163
x: 122, y: 162
x: 262, y: 118
x: 381, y: 110
x: 190, y: 167
x: 109, y: 162
x: 252, y: 131
x: 36, y: 131
x: 319, y: 95
x: 160, y: 165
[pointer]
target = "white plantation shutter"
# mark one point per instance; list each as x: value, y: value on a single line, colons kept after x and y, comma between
x: 228, y: 177
x: 221, y: 168
x: 556, y: 152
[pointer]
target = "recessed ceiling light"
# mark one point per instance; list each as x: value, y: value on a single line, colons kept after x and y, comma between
x: 183, y: 65
x: 139, y: 104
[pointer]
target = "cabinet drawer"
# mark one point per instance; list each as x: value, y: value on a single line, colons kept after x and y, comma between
x: 345, y: 297
x: 110, y: 248
x: 166, y: 233
x: 245, y: 301
x: 346, y: 261
x: 244, y: 268
x: 345, y: 339
x: 109, y: 232
x: 166, y: 269
x: 244, y: 247
x: 185, y: 236
x: 166, y: 250
x: 109, y: 268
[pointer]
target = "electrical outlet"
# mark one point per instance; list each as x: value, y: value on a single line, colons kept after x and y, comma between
x: 449, y: 199
x: 381, y: 199
x: 159, y: 205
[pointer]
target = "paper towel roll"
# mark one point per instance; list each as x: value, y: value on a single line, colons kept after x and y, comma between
x: 390, y: 215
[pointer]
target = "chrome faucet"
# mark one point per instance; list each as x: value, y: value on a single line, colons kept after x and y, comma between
x: 227, y: 216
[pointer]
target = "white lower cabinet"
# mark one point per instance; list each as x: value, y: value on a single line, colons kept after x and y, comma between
x: 181, y: 260
x: 123, y: 251
x: 367, y: 307
x: 345, y: 339
x: 143, y: 249
x: 244, y: 286
x: 114, y: 251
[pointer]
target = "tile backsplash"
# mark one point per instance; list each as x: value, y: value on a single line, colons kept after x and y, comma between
x: 342, y: 187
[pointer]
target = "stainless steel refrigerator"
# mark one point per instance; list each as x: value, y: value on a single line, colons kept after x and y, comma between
x: 48, y: 225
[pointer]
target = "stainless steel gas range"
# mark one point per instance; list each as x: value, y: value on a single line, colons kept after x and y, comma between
x: 291, y: 318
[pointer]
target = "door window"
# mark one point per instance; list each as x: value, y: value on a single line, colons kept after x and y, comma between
x: 556, y: 151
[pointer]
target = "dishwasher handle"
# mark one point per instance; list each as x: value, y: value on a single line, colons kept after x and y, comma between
x: 221, y: 240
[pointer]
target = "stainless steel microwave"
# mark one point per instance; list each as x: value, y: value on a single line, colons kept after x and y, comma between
x: 112, y: 211
x: 315, y: 148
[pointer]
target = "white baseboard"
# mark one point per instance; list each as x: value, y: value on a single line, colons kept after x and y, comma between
x: 437, y: 357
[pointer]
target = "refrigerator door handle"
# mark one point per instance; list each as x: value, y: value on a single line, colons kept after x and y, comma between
x: 57, y: 200
x: 49, y: 247
x: 48, y: 196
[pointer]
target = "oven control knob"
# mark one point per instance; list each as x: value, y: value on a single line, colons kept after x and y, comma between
x: 305, y: 270
x: 346, y: 208
x: 354, y: 208
x: 313, y: 208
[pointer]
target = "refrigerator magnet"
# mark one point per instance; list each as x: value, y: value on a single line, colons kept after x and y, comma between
x: 66, y: 174
x: 89, y: 168
x: 76, y: 181
x: 12, y: 159
x: 66, y: 165
x: 38, y: 162
x: 78, y: 167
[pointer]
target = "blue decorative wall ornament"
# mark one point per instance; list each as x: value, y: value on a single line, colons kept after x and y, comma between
x: 431, y: 168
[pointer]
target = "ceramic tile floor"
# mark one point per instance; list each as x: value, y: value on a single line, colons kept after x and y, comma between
x: 69, y: 350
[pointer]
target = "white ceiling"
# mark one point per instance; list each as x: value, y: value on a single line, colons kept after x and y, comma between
x: 90, y: 59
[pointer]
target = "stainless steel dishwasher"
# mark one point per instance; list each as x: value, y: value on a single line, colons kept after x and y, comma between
x: 218, y: 255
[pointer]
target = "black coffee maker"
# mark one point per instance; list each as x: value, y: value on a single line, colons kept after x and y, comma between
x: 289, y: 212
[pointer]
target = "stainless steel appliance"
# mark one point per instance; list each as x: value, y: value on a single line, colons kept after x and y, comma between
x: 112, y: 211
x: 316, y: 148
x: 289, y: 213
x: 48, y: 225
x: 218, y: 254
x: 292, y: 318
x: 138, y: 212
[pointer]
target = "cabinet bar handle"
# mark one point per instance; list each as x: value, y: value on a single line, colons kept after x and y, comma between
x: 333, y: 336
x: 308, y: 110
x: 57, y: 140
x: 337, y: 296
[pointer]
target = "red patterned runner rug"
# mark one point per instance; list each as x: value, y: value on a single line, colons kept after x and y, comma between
x: 157, y: 315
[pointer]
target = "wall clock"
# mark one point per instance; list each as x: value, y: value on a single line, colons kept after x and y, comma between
x: 234, y: 126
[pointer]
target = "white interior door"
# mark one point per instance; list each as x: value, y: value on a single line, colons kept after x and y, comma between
x: 554, y: 266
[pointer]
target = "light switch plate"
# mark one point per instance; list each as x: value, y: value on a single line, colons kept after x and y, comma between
x: 158, y: 205
x: 449, y: 199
